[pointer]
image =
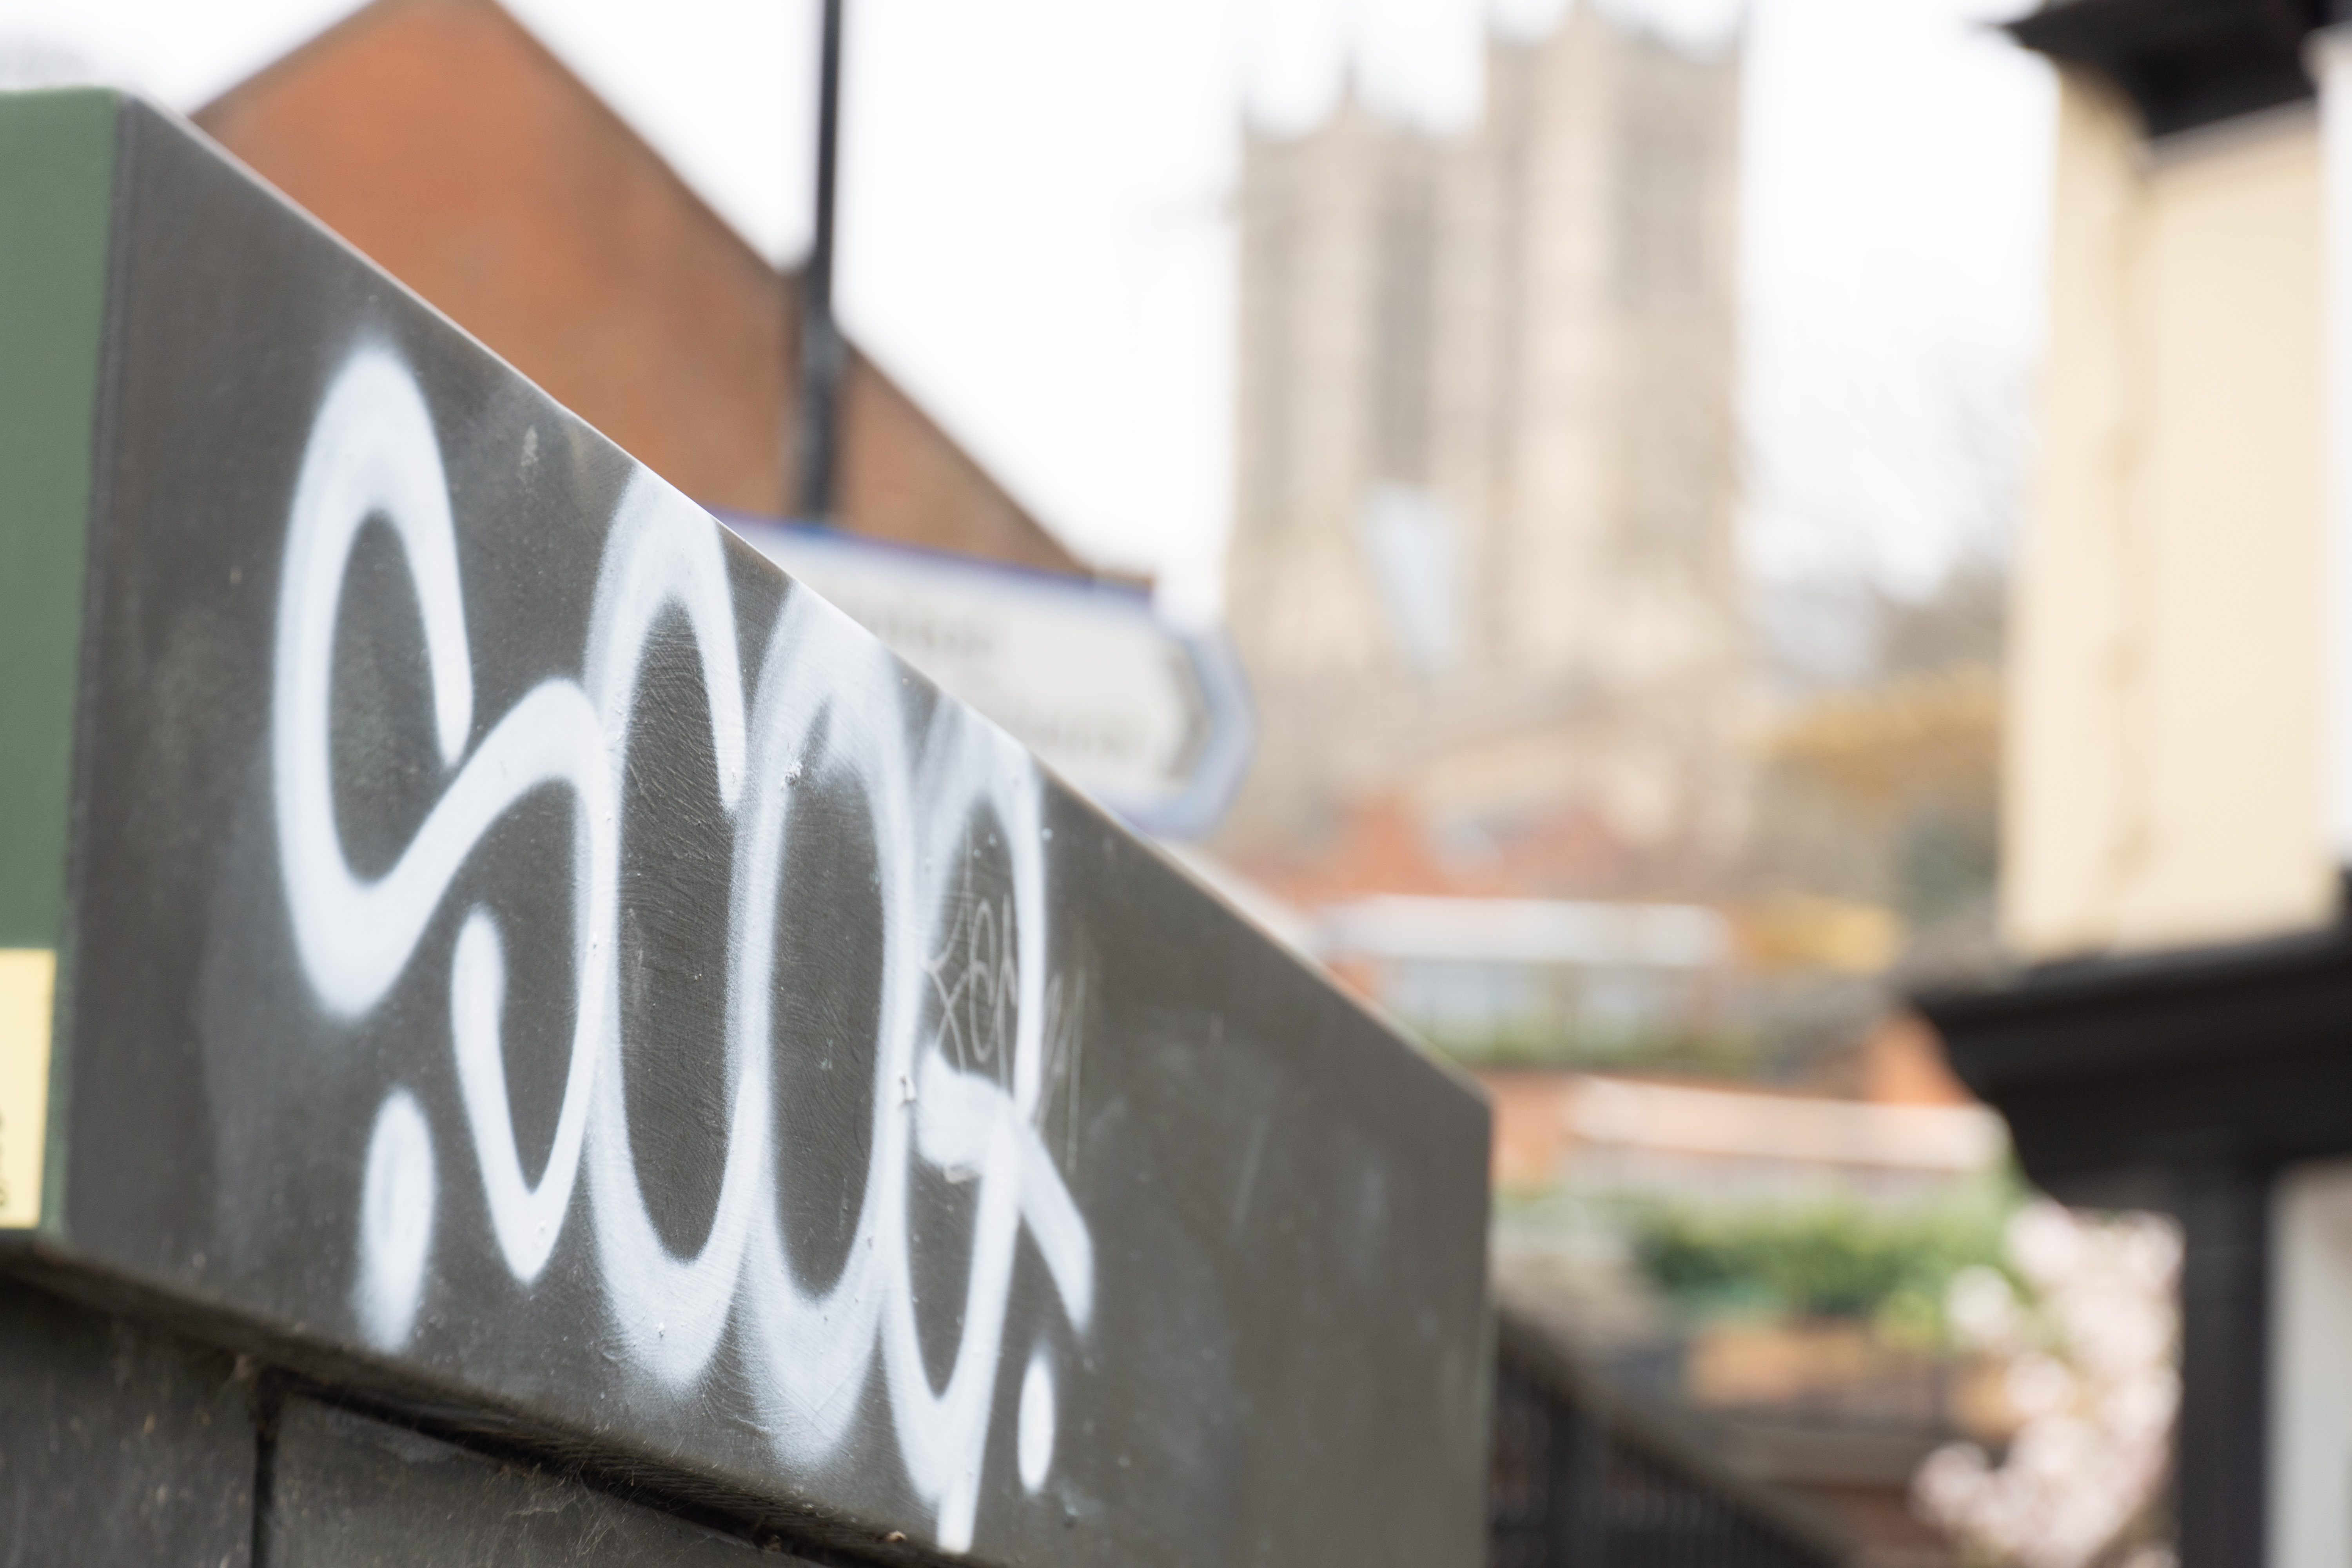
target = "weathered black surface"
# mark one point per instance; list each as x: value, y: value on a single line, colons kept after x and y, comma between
x: 1032, y: 1123
x: 118, y: 1445
x: 349, y: 1492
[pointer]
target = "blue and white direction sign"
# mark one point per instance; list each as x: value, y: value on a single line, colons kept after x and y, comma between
x: 1152, y: 719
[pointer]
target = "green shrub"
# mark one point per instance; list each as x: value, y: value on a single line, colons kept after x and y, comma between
x: 1837, y: 1260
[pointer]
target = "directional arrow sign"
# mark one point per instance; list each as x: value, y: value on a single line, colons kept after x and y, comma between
x: 1151, y: 720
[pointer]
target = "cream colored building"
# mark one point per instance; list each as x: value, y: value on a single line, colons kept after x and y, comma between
x: 2178, y: 797
x: 2166, y: 751
x: 1484, y: 554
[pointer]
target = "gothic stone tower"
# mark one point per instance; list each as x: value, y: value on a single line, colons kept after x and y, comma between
x: 1484, y: 556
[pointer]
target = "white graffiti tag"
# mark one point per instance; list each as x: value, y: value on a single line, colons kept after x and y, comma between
x: 808, y: 1352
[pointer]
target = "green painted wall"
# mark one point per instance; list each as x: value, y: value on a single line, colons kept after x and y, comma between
x: 56, y: 178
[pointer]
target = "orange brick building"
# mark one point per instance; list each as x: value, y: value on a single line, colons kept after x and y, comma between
x: 445, y: 141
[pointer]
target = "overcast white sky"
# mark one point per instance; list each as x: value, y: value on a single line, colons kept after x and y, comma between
x: 1036, y: 233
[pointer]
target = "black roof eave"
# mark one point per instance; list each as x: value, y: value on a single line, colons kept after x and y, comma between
x: 2113, y: 1072
x: 2183, y: 63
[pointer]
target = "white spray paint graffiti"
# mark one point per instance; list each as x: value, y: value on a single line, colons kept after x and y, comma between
x: 372, y: 455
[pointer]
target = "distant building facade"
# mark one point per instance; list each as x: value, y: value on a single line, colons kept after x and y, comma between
x: 1484, y: 562
x: 445, y: 141
x: 2167, y: 758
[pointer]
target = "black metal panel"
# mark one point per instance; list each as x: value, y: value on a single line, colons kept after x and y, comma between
x: 1581, y: 1480
x: 534, y: 966
x: 349, y: 1492
x: 2183, y: 63
x: 119, y: 1448
x: 2220, y: 1493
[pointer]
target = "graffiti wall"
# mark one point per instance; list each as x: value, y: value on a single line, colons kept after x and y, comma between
x: 529, y: 965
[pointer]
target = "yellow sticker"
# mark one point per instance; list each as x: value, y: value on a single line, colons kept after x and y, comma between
x: 29, y: 979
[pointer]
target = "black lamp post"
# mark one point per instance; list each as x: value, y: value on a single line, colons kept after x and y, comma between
x: 823, y: 355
